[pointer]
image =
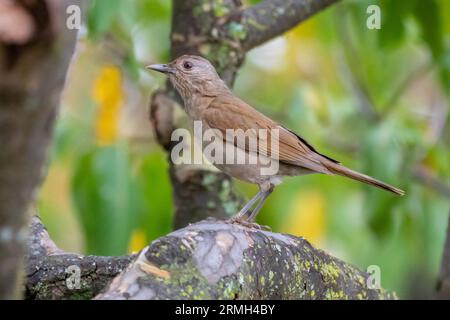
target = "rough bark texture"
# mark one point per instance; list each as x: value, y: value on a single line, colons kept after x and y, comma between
x: 271, y: 18
x: 50, y: 273
x: 207, y: 260
x: 34, y: 57
x: 217, y: 260
x: 203, y: 194
x: 222, y: 31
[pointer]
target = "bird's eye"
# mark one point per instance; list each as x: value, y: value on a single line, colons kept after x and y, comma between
x: 187, y: 65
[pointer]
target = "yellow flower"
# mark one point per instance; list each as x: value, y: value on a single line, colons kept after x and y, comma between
x: 108, y: 94
x: 307, y: 217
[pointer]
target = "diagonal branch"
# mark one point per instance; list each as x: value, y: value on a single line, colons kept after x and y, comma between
x: 49, y: 269
x: 271, y: 18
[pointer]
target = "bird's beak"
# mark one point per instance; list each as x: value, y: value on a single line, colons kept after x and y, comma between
x: 163, y: 68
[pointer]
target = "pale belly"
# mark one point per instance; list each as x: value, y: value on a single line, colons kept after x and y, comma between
x: 251, y: 167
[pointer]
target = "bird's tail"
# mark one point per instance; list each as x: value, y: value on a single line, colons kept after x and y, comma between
x: 346, y: 172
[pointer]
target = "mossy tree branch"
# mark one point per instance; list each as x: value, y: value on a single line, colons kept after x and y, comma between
x: 207, y: 260
x: 50, y: 271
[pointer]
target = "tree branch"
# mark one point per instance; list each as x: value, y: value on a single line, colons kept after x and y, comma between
x: 217, y: 260
x: 207, y: 260
x: 48, y: 269
x: 271, y: 18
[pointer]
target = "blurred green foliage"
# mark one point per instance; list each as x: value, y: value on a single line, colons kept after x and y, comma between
x: 114, y: 194
x: 375, y: 99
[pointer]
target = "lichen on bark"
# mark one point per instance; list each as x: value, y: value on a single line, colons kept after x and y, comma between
x: 217, y: 260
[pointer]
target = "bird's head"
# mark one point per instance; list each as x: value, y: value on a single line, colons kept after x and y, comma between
x: 191, y: 75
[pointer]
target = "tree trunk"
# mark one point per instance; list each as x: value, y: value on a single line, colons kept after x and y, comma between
x: 35, y: 50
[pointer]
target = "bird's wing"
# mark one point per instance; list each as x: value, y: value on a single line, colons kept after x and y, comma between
x: 229, y: 112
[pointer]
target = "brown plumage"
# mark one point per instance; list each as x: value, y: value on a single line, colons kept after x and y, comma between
x: 207, y: 99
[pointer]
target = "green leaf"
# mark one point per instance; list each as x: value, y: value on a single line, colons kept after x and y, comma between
x: 428, y: 16
x: 151, y: 10
x: 103, y: 196
x: 101, y: 16
x: 155, y: 194
x: 444, y: 73
x: 393, y: 15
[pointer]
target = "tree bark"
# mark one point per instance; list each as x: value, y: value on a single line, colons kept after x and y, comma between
x: 52, y: 273
x: 207, y: 260
x: 35, y: 50
x: 271, y: 18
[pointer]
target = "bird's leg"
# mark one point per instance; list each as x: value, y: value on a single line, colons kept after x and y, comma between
x: 264, y: 197
x: 247, y: 207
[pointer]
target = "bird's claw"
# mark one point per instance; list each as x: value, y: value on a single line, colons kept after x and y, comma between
x: 248, y: 224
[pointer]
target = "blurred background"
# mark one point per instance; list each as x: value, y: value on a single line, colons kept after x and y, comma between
x: 377, y: 100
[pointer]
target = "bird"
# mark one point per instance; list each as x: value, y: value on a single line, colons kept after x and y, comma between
x: 208, y: 100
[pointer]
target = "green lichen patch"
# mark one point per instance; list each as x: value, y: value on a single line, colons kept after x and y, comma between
x: 209, y: 179
x: 272, y: 268
x: 237, y: 31
x: 330, y: 272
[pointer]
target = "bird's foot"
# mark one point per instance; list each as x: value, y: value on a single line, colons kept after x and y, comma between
x: 248, y: 224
